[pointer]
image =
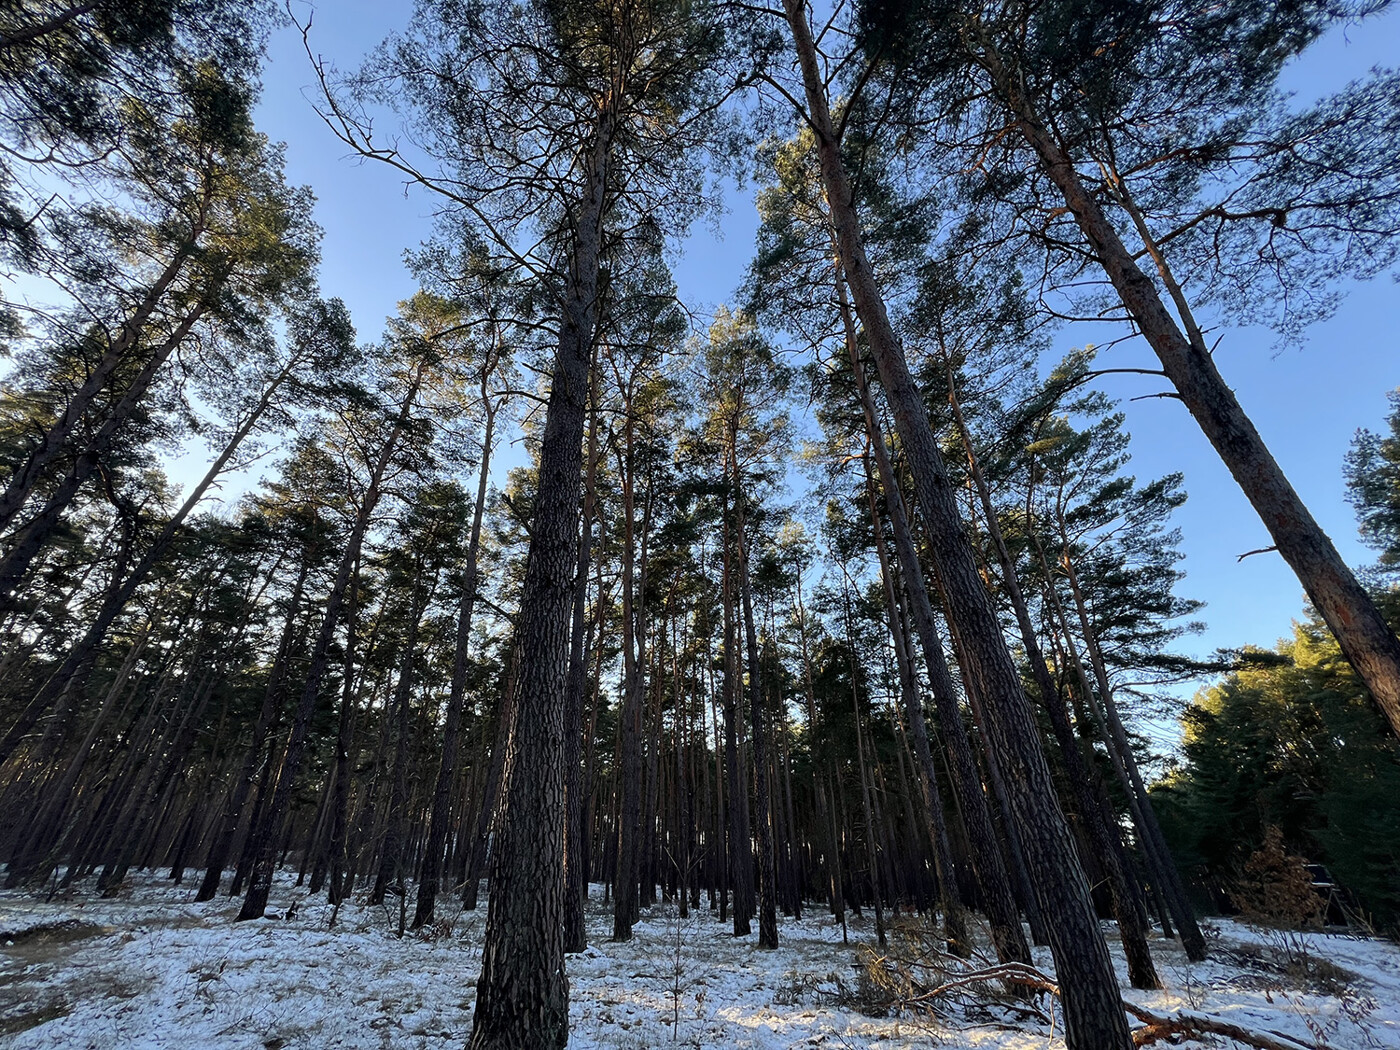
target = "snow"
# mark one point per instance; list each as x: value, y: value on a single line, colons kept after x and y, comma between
x: 151, y: 969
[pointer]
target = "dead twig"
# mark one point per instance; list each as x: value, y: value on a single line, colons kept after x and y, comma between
x: 1261, y: 550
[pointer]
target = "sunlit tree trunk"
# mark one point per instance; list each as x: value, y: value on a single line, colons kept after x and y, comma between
x: 1365, y: 638
x: 1093, y: 1009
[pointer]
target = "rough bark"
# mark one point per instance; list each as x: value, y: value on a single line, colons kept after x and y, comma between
x: 522, y: 996
x: 1093, y: 1016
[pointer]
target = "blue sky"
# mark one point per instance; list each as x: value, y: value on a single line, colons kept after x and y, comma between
x: 1306, y: 400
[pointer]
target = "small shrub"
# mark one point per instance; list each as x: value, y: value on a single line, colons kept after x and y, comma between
x: 1276, y: 887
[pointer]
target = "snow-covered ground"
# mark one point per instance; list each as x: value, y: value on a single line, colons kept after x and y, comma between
x: 152, y: 969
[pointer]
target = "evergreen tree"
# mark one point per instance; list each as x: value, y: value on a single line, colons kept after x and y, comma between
x: 1373, y: 487
x: 1165, y: 159
x: 1289, y: 741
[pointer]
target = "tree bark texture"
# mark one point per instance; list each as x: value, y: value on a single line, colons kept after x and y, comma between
x: 522, y: 997
x: 1093, y: 1013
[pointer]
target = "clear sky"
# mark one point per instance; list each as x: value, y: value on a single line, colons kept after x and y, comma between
x: 1307, y: 400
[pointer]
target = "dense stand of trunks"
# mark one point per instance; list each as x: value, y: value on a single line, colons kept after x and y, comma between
x: 852, y: 835
x: 620, y: 675
x: 754, y: 758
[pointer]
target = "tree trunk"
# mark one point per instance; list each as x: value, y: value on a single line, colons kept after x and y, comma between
x: 1093, y: 1011
x: 866, y: 808
x: 27, y: 475
x: 263, y: 834
x: 435, y: 845
x: 1365, y: 638
x: 1088, y: 788
x: 344, y: 741
x: 1116, y: 739
x: 522, y: 995
x: 740, y: 848
x: 626, y: 906
x: 495, y: 777
x: 227, y: 828
x: 30, y: 538
x: 767, y: 891
x: 580, y: 645
x: 396, y: 816
x: 987, y: 862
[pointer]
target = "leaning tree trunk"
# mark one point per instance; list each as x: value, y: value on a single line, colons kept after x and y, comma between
x: 867, y: 809
x: 1365, y: 638
x: 79, y: 656
x: 226, y: 828
x: 955, y: 932
x: 263, y: 834
x: 488, y: 809
x: 47, y: 825
x: 396, y: 815
x: 1116, y: 740
x: 339, y: 879
x: 1164, y: 878
x: 263, y: 845
x: 30, y: 539
x: 987, y: 862
x: 819, y: 786
x: 1006, y: 925
x: 58, y: 434
x: 1084, y: 780
x: 1093, y: 1010
x: 143, y: 825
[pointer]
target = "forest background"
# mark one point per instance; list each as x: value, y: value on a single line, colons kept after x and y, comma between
x: 251, y: 254
x: 1307, y: 400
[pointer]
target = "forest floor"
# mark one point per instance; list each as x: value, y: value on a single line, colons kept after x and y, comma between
x: 152, y: 969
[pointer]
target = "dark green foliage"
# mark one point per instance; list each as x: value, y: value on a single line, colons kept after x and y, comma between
x: 1373, y: 487
x: 1260, y: 203
x: 75, y: 78
x: 1300, y: 747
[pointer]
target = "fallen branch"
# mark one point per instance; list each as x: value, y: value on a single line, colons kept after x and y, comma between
x: 1160, y: 1026
x: 1009, y: 973
x: 1155, y: 1026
